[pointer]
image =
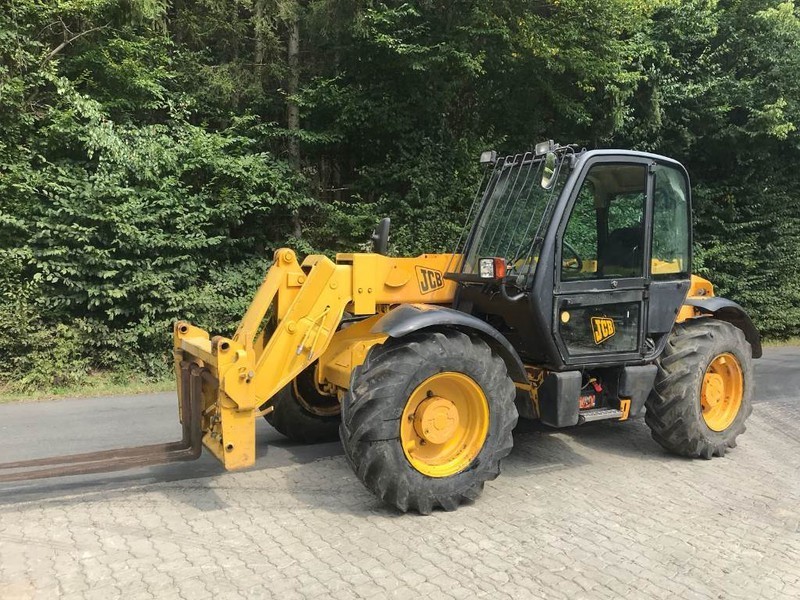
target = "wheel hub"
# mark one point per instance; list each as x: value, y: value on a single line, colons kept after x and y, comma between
x: 445, y: 424
x: 436, y: 420
x: 713, y: 391
x: 722, y: 391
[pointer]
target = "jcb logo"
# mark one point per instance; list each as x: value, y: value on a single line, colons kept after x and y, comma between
x: 429, y: 280
x: 602, y: 329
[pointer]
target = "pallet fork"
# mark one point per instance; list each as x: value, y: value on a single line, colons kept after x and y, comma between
x: 187, y: 448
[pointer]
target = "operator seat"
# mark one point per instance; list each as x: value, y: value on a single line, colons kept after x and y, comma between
x: 623, y: 255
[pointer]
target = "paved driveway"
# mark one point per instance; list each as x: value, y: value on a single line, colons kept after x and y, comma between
x: 598, y: 511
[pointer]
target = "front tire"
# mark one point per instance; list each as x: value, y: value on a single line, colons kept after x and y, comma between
x: 304, y: 414
x: 703, y: 391
x: 427, y: 420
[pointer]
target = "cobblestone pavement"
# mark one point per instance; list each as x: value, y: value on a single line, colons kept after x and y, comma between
x: 595, y: 512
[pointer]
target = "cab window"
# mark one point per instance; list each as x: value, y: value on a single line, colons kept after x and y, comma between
x: 604, y: 237
x: 670, y: 223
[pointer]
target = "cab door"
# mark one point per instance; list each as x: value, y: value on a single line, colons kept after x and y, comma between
x: 602, y: 255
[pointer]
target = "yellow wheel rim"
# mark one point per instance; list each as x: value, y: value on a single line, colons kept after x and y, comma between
x: 721, y: 394
x: 444, y: 424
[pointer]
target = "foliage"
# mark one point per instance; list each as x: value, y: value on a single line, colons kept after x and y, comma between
x: 148, y: 170
x: 722, y: 95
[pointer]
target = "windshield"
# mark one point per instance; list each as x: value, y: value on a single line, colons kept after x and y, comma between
x: 515, y: 209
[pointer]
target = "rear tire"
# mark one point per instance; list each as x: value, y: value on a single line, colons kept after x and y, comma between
x: 303, y: 414
x: 447, y: 384
x: 679, y: 415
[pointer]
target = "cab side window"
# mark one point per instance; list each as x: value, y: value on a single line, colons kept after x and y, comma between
x: 604, y: 237
x: 670, y: 223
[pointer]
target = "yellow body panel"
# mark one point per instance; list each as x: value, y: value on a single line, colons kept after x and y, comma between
x: 382, y: 280
x: 293, y: 321
x: 347, y: 350
x: 699, y: 288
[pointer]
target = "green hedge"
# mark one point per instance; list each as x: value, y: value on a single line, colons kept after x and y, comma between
x: 147, y: 171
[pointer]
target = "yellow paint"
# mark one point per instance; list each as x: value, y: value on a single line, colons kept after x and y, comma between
x: 625, y: 408
x: 379, y: 279
x: 699, y: 288
x: 535, y: 377
x: 721, y: 392
x: 293, y: 321
x: 666, y: 267
x: 602, y: 329
x: 347, y: 350
x: 657, y: 266
x: 444, y: 424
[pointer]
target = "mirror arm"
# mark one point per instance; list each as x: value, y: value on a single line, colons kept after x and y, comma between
x: 380, y: 237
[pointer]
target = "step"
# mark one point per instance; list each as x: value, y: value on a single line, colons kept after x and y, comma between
x: 599, y: 414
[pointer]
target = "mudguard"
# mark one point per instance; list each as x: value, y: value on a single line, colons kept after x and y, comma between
x: 409, y: 318
x: 727, y: 310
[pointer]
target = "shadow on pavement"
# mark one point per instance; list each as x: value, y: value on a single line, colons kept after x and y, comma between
x: 536, y: 450
x: 272, y: 450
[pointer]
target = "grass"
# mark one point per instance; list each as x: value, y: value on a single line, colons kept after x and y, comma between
x: 97, y: 384
x: 769, y: 343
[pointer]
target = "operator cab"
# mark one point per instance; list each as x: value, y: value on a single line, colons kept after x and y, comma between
x: 578, y: 257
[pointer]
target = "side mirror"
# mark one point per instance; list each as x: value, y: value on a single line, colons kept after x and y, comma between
x: 380, y: 237
x: 548, y: 175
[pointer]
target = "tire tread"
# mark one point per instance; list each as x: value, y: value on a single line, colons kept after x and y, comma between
x: 672, y: 416
x: 374, y: 404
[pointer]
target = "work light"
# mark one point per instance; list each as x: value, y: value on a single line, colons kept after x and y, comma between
x: 488, y: 157
x: 492, y: 268
x: 544, y: 147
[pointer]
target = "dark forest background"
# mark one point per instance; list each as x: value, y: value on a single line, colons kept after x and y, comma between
x: 153, y: 153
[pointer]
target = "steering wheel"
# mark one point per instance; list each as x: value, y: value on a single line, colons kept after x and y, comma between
x: 522, y: 261
x: 578, y: 264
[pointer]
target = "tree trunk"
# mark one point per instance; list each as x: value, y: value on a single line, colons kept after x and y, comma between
x: 292, y: 109
x: 259, y: 34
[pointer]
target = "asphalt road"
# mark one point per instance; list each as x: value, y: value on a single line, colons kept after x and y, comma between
x: 71, y: 426
x: 39, y: 429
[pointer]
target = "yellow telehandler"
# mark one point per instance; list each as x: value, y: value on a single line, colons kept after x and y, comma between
x: 569, y: 298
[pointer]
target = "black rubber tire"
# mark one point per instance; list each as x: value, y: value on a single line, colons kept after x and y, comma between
x: 674, y: 413
x: 293, y: 420
x: 371, y: 412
